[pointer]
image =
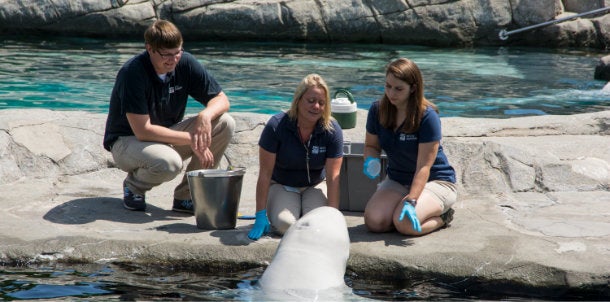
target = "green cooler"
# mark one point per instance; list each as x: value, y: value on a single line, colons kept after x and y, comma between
x: 344, y: 109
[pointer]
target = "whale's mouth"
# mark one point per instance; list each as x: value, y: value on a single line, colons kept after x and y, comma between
x: 303, y: 225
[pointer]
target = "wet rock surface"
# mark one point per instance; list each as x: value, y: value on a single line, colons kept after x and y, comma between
x: 532, y: 208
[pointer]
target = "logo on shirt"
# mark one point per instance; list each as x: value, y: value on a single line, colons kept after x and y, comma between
x: 407, y: 137
x: 318, y: 149
x: 174, y: 88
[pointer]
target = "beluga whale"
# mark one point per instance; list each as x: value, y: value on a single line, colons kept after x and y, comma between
x: 310, y: 260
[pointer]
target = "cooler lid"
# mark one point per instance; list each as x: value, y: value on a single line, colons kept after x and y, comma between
x: 342, y: 105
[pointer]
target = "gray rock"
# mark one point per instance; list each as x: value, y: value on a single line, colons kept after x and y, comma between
x: 602, y: 69
x: 579, y: 6
x: 527, y: 13
x: 423, y: 22
x: 532, y: 210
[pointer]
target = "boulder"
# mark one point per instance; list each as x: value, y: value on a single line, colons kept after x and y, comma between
x: 423, y: 22
x: 602, y: 69
x: 579, y: 6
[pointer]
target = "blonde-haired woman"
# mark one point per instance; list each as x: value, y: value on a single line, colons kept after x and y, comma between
x: 416, y: 196
x: 300, y: 155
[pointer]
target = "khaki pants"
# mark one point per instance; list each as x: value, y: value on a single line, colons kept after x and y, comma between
x: 285, y: 205
x: 149, y: 164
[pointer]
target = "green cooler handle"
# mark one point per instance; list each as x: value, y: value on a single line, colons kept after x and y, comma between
x: 349, y: 95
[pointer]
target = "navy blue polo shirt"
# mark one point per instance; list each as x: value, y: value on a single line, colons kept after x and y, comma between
x: 139, y: 90
x: 281, y: 136
x: 402, y: 148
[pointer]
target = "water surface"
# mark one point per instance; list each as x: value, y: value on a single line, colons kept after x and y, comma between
x: 128, y: 282
x: 78, y: 74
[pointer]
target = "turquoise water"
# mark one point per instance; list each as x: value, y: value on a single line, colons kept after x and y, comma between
x: 78, y: 74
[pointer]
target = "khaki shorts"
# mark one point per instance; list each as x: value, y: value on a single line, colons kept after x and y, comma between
x: 444, y: 192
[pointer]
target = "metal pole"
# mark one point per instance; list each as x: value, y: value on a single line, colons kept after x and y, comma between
x: 503, y: 34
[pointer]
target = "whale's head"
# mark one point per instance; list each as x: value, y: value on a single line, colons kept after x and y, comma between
x: 312, y: 254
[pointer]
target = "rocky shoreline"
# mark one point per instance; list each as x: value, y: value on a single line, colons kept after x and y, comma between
x: 532, y: 212
x: 446, y: 23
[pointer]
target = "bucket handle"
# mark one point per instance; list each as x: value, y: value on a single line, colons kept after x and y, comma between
x: 349, y: 95
x: 231, y: 169
x: 229, y: 164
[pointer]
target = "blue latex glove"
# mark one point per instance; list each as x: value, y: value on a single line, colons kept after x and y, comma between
x: 409, y: 209
x: 372, y: 167
x: 261, y: 225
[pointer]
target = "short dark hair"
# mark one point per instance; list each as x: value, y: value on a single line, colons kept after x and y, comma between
x: 163, y: 34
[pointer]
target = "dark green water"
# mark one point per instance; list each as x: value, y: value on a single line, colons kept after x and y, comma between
x: 78, y: 74
x: 124, y: 282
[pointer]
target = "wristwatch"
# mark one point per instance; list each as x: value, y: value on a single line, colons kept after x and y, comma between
x: 413, y: 202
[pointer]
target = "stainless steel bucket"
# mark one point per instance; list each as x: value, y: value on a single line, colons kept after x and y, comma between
x: 215, y: 195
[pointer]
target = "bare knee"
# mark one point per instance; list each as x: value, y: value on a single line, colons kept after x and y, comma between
x: 377, y: 222
x: 406, y: 227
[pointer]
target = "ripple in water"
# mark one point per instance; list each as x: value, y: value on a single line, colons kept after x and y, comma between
x: 121, y: 282
x: 78, y: 74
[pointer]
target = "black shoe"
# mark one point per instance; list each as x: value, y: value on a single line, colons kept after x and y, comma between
x: 133, y: 201
x: 184, y: 206
x: 447, y: 217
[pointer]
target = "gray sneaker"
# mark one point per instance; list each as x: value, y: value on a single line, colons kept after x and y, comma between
x: 447, y: 217
x: 131, y: 201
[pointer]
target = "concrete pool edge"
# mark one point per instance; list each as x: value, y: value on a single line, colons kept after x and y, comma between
x: 69, y: 206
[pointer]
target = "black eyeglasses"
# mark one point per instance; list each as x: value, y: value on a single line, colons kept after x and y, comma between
x: 168, y: 56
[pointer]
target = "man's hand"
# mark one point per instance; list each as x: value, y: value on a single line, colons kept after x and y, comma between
x: 201, y: 135
x: 206, y: 158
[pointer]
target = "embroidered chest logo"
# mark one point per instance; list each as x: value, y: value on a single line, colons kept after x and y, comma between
x: 407, y: 137
x: 318, y: 150
x: 173, y: 89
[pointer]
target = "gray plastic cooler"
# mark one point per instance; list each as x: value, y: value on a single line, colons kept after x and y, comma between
x: 356, y: 188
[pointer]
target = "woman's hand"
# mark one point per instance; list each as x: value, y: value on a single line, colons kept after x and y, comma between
x: 372, y: 167
x: 409, y: 210
x: 261, y: 225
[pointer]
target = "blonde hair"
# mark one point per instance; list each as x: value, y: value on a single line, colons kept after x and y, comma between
x: 408, y: 72
x: 163, y: 34
x: 312, y: 80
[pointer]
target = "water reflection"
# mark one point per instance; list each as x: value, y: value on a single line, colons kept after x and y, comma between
x: 78, y: 74
x: 121, y: 282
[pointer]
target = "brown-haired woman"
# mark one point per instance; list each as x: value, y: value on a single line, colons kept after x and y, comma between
x: 416, y: 196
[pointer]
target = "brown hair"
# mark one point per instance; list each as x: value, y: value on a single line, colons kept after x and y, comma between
x: 163, y: 34
x: 407, y: 71
x: 312, y: 80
